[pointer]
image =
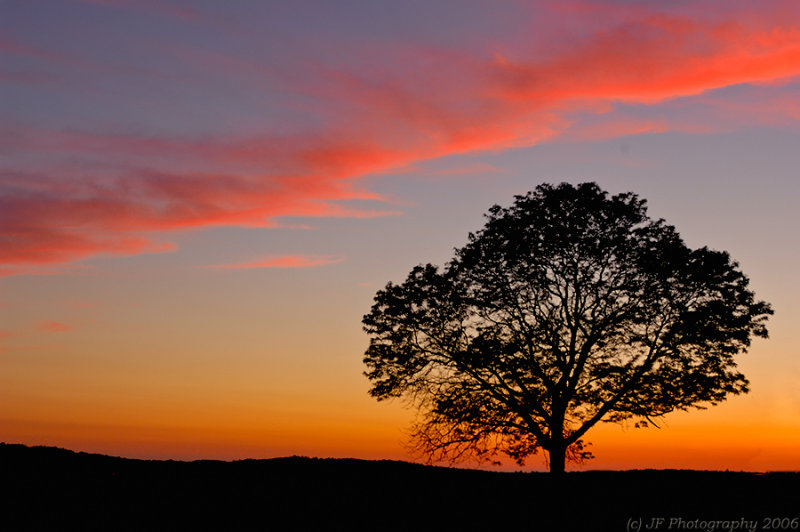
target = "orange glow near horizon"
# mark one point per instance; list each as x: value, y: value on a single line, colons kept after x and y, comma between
x: 766, y: 447
x: 228, y: 417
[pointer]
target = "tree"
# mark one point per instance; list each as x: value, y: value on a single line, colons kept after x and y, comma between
x: 568, y: 308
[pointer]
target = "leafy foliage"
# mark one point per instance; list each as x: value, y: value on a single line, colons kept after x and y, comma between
x: 568, y: 308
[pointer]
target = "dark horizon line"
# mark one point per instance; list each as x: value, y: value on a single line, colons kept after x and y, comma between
x: 386, y: 460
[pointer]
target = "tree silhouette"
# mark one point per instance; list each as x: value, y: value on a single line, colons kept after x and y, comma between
x: 568, y: 308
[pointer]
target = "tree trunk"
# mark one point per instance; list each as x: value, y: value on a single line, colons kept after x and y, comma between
x: 557, y: 458
x: 558, y: 447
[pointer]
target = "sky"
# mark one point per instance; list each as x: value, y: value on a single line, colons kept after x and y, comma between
x: 199, y: 200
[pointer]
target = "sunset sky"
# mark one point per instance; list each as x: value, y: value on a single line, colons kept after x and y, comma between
x: 199, y: 200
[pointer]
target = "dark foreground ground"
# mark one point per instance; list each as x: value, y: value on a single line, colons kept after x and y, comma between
x: 54, y: 489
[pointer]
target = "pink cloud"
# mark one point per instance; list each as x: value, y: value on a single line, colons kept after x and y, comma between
x: 782, y: 108
x: 376, y: 118
x: 284, y: 261
x: 654, y: 58
x: 53, y: 326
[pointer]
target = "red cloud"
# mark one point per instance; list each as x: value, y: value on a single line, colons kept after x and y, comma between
x: 53, y: 326
x: 92, y: 193
x: 285, y: 261
x: 652, y: 59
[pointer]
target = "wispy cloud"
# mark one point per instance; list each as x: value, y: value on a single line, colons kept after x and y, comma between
x: 53, y: 326
x: 107, y: 191
x: 283, y: 261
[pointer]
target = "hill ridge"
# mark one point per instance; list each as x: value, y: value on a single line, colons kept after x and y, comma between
x: 53, y: 487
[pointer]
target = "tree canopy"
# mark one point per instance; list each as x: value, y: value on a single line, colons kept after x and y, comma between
x: 568, y: 308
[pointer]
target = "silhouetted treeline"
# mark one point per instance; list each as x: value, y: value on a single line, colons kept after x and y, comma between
x: 55, y: 489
